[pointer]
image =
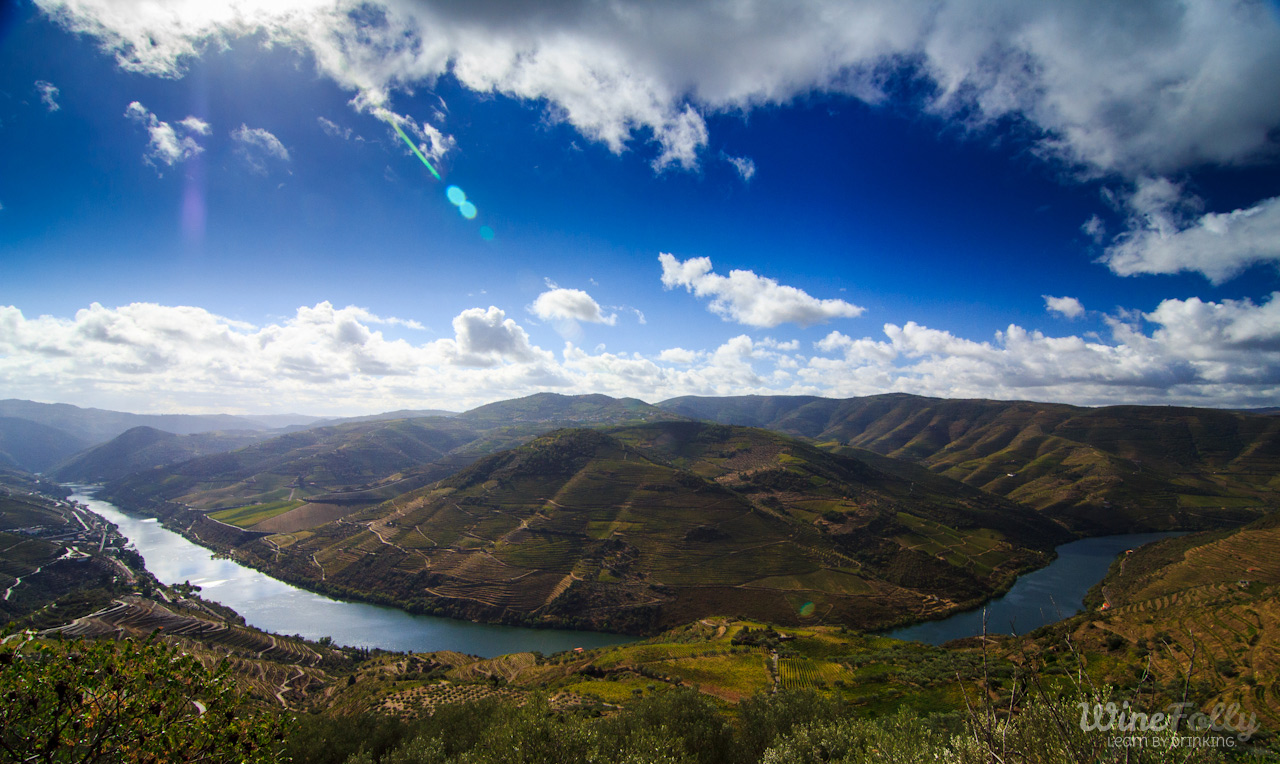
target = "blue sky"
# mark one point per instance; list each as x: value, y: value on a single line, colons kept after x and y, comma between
x: 207, y: 208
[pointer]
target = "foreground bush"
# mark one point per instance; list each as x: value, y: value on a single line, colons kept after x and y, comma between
x: 88, y: 701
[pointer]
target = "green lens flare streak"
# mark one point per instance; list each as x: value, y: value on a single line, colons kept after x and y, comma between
x: 396, y: 125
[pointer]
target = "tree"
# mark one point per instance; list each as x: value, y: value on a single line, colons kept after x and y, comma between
x: 88, y: 701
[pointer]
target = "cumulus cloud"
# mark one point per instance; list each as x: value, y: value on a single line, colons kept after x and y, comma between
x: 570, y: 305
x: 1167, y: 234
x: 749, y: 299
x: 1199, y: 353
x: 257, y: 146
x: 168, y: 145
x: 195, y: 125
x: 48, y: 95
x: 330, y: 358
x: 1111, y: 87
x: 335, y: 360
x: 488, y: 337
x: 1067, y: 307
x: 678, y: 355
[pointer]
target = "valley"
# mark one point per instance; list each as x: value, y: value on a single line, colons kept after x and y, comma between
x: 754, y: 564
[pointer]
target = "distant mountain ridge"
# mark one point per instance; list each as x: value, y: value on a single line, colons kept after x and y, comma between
x: 1103, y: 470
x: 144, y: 448
x: 580, y: 409
x: 34, y: 447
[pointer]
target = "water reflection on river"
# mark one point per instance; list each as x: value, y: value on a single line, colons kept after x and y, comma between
x: 284, y: 609
x: 1040, y: 597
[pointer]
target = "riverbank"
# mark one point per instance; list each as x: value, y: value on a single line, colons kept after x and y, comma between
x: 277, y: 606
x: 1038, y: 598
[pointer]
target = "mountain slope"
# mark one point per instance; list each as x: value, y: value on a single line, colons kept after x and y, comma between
x: 144, y: 448
x: 342, y: 459
x: 639, y: 527
x: 1198, y: 612
x: 368, y: 460
x: 98, y: 425
x: 34, y: 447
x: 1108, y: 470
x: 575, y: 410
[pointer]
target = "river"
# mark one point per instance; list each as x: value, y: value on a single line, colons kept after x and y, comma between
x: 275, y: 606
x: 1037, y: 598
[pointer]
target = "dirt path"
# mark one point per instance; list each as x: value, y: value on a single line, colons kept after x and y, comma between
x: 284, y: 686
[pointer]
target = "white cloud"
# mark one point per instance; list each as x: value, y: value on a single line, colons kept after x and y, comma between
x: 333, y: 129
x: 678, y: 355
x: 488, y: 337
x: 327, y: 358
x: 1167, y: 235
x: 570, y: 305
x: 433, y: 143
x: 744, y: 165
x: 48, y: 95
x: 335, y: 360
x: 1068, y: 307
x: 749, y: 299
x: 195, y: 125
x: 257, y: 146
x: 1110, y: 87
x: 1094, y: 228
x: 168, y: 145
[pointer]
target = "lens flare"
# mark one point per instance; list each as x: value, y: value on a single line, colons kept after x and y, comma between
x: 457, y: 197
x: 413, y: 146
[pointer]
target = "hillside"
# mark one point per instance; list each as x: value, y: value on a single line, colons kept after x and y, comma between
x: 568, y: 410
x: 1107, y: 470
x: 145, y: 448
x: 316, y: 462
x: 99, y: 425
x: 1197, y: 613
x: 34, y: 447
x: 365, y: 460
x: 640, y: 527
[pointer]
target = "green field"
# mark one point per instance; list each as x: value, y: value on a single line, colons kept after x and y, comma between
x: 247, y: 517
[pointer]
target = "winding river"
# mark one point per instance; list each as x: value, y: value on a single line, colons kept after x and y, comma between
x: 1037, y: 598
x: 278, y: 607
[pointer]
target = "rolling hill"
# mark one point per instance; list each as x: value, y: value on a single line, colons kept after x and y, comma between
x: 367, y: 460
x: 34, y: 447
x: 99, y: 425
x: 1106, y: 470
x: 637, y: 528
x: 144, y: 448
x: 1196, y: 614
x: 568, y: 410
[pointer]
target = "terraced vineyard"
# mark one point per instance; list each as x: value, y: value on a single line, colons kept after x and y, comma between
x: 640, y: 527
x: 1202, y: 612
